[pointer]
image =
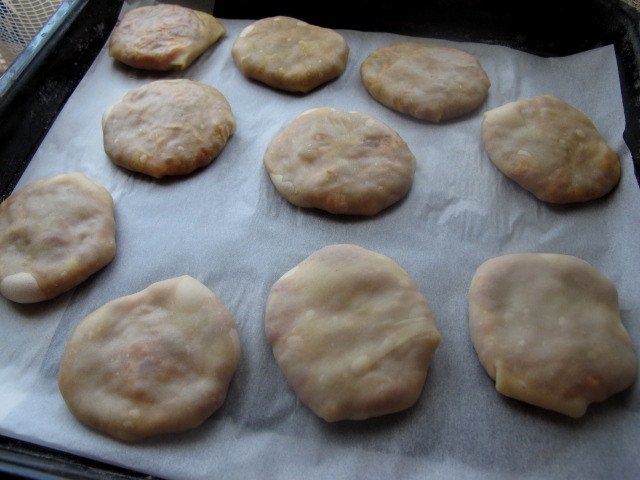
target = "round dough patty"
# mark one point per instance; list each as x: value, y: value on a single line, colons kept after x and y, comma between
x: 341, y: 162
x: 351, y: 332
x: 547, y: 329
x: 167, y: 127
x: 550, y: 149
x: 158, y: 361
x: 426, y: 82
x: 54, y: 234
x: 290, y: 54
x: 163, y: 37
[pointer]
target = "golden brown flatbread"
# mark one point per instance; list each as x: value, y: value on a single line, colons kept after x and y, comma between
x: 54, y: 234
x: 424, y: 81
x: 163, y: 37
x: 341, y: 162
x: 550, y: 149
x: 167, y: 127
x: 289, y: 54
x: 158, y: 361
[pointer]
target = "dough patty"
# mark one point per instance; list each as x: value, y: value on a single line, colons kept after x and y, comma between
x: 167, y: 127
x: 290, y: 54
x: 54, y: 234
x: 341, y: 162
x: 550, y: 149
x: 163, y: 37
x: 351, y: 332
x: 547, y: 329
x: 158, y: 361
x: 427, y: 82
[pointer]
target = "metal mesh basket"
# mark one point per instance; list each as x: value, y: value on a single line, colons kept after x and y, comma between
x: 20, y: 20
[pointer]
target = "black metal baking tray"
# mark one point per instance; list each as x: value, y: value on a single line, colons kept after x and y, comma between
x: 38, y: 83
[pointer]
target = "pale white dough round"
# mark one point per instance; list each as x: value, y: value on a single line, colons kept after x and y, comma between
x: 290, y: 54
x: 54, y: 234
x: 341, y: 162
x: 424, y: 81
x: 547, y: 329
x: 158, y: 361
x: 163, y: 37
x: 167, y: 127
x: 550, y: 149
x: 351, y: 332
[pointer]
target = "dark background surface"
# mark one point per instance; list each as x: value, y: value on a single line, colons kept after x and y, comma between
x: 38, y: 83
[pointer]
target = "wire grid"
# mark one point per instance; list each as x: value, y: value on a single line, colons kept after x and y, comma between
x: 20, y: 20
x: 634, y: 3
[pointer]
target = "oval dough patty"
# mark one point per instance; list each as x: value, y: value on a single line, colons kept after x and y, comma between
x: 290, y: 54
x: 351, y: 332
x: 157, y: 361
x: 163, y: 37
x: 167, y: 127
x: 550, y: 149
x: 547, y: 329
x: 426, y: 82
x: 54, y: 233
x: 341, y: 162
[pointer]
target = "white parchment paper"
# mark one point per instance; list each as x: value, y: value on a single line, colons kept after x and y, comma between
x: 227, y: 226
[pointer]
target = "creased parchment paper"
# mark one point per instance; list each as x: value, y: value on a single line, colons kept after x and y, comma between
x: 227, y: 226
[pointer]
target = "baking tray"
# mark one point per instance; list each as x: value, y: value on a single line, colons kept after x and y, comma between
x: 37, y: 84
